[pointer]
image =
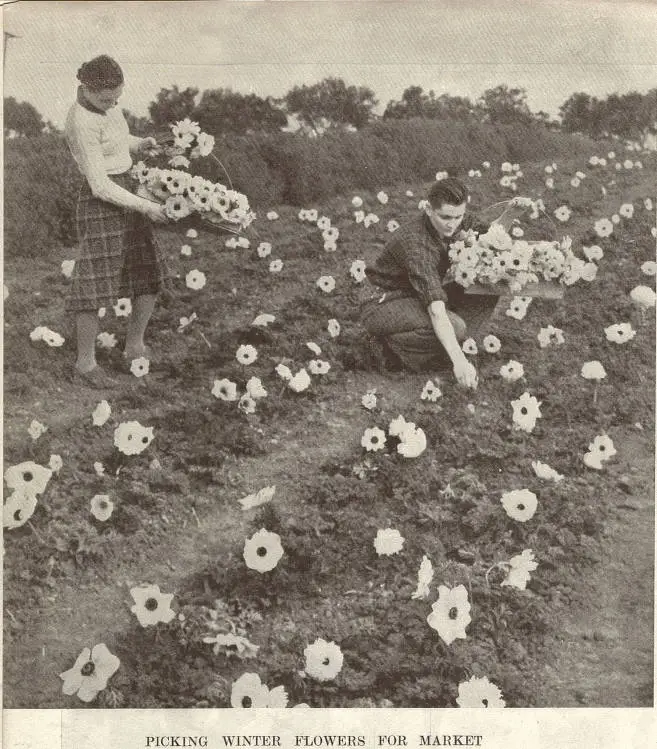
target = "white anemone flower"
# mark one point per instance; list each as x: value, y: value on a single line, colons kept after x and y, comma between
x: 67, y: 268
x: 368, y: 401
x: 314, y: 348
x: 28, y: 476
x: 323, y: 660
x: 246, y: 354
x: 469, y: 346
x: 594, y: 252
x: 89, y: 675
x: 151, y: 606
x: 512, y: 371
x: 357, y: 271
x: 526, y: 410
x: 36, y: 429
x: 520, y: 569
x: 388, y: 541
x: 263, y: 319
x: 18, y: 508
x: 276, y: 266
x: 284, y: 372
x: 620, y: 333
x: 255, y: 388
x: 300, y: 381
x: 520, y: 504
x: 431, y: 392
x: 263, y: 551
x: 195, y: 280
x: 140, y: 366
x: 55, y: 463
x: 106, y: 340
x: 249, y: 692
x: 593, y: 370
x: 131, y: 438
x: 544, y: 471
x: 479, y: 692
x: 413, y: 441
x: 123, y: 307
x: 373, y: 439
x: 101, y: 507
x: 333, y: 328
x: 225, y: 390
x: 101, y: 413
x: 326, y: 284
x: 643, y: 296
x: 550, y: 335
x: 450, y: 614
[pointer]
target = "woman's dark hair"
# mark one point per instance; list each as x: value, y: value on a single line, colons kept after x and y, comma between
x: 449, y: 190
x: 100, y: 73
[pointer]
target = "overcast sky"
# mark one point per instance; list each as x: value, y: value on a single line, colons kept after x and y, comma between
x: 459, y: 47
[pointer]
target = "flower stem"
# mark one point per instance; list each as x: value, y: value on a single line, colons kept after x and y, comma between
x: 36, y: 533
x: 495, y: 566
x: 595, y: 393
x: 230, y: 184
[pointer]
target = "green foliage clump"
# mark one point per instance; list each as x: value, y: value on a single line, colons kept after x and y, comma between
x: 41, y: 186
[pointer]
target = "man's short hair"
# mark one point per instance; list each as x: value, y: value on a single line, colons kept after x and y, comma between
x: 449, y: 190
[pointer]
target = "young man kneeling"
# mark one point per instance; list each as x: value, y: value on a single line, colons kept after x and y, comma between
x: 418, y: 317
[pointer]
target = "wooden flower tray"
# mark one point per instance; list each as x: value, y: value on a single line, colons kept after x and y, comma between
x: 540, y: 290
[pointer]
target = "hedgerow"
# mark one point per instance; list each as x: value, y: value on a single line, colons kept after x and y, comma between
x: 42, y: 180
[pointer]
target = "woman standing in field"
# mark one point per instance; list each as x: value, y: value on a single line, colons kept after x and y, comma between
x: 119, y: 256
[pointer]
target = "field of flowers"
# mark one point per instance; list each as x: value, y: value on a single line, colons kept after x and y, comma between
x: 264, y: 515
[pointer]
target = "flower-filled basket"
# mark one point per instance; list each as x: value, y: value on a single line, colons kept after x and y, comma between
x: 496, y: 263
x: 191, y: 201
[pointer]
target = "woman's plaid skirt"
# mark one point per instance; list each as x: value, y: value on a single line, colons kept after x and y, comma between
x: 118, y: 254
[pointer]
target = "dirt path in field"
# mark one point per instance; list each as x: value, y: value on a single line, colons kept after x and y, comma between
x: 604, y: 651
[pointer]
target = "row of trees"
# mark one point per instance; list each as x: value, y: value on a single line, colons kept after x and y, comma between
x: 21, y: 118
x: 628, y: 115
x: 329, y: 103
x: 332, y: 103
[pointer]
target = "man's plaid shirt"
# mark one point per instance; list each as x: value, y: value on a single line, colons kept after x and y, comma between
x: 416, y: 260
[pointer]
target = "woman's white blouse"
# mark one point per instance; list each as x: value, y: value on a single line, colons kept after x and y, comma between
x: 100, y: 145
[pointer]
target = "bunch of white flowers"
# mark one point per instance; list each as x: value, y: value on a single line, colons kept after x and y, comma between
x: 496, y: 257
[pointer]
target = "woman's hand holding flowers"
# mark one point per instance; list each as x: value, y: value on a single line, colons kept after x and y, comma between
x: 155, y: 212
x: 146, y: 145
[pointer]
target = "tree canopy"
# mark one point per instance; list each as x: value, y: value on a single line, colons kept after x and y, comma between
x: 22, y: 119
x: 416, y: 103
x: 331, y: 103
x: 627, y: 115
x: 225, y: 111
x: 172, y: 105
